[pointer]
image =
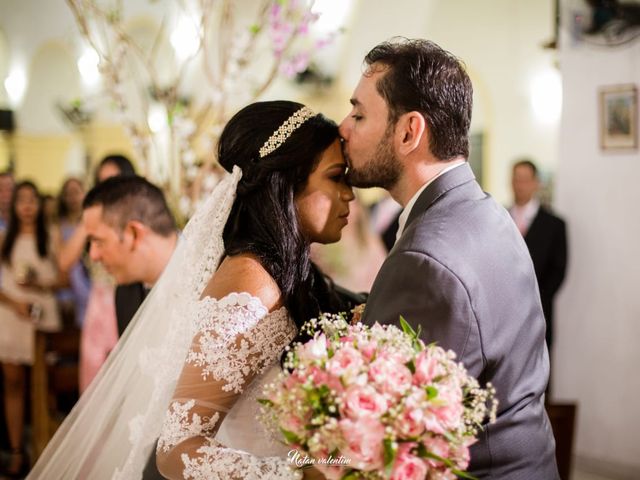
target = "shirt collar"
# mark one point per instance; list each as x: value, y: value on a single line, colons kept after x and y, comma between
x: 404, y: 216
x: 528, y: 211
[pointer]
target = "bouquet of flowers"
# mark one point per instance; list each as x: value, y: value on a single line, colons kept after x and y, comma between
x: 376, y: 403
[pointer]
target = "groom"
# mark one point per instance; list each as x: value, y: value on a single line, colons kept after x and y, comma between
x: 459, y: 268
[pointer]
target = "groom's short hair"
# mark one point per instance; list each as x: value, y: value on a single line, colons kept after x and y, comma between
x: 420, y: 76
x: 124, y: 199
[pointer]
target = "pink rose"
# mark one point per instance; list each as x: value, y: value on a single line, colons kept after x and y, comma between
x: 451, y: 411
x: 364, y: 438
x: 450, y: 417
x: 461, y: 456
x: 364, y: 401
x: 438, y: 446
x: 432, y: 422
x: 442, y: 475
x: 321, y: 377
x: 294, y: 425
x: 330, y: 473
x: 407, y: 466
x: 293, y: 381
x: 368, y: 349
x: 411, y: 422
x: 346, y: 362
x: 390, y: 375
x: 428, y: 367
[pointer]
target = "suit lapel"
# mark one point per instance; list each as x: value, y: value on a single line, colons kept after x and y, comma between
x: 440, y: 186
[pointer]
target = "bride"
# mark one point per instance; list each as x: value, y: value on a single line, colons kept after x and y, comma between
x: 212, y: 331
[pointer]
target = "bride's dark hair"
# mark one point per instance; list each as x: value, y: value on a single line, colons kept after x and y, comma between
x: 264, y: 220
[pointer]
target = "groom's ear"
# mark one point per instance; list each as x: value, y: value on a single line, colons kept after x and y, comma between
x: 410, y: 130
x: 135, y: 232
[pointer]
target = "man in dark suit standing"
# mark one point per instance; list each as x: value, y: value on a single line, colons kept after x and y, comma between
x: 545, y: 236
x: 459, y: 268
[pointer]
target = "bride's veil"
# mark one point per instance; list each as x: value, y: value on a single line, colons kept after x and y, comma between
x: 111, y: 431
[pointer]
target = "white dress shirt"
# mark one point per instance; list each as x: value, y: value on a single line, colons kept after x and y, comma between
x: 404, y: 216
x: 523, y: 215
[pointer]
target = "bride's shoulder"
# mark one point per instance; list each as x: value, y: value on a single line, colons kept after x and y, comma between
x: 244, y: 273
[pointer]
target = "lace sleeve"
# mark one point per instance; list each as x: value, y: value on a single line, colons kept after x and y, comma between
x: 236, y: 340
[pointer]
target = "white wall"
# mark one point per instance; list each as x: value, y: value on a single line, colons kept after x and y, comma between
x: 501, y: 43
x: 598, y: 311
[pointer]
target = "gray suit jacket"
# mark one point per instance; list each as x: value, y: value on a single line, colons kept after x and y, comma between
x: 462, y: 271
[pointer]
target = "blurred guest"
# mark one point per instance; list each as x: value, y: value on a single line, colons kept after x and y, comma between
x: 131, y: 230
x: 384, y: 219
x: 29, y: 278
x: 50, y: 207
x: 354, y: 261
x: 69, y: 216
x: 545, y: 236
x: 100, y: 330
x: 6, y: 191
x: 114, y: 165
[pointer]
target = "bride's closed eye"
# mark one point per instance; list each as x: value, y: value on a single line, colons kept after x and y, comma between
x: 337, y: 174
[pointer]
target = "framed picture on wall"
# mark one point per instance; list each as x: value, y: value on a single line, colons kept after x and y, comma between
x: 619, y: 117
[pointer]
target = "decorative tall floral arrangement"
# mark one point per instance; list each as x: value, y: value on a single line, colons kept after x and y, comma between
x: 231, y: 52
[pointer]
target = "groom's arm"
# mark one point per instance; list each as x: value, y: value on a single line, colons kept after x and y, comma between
x: 430, y: 296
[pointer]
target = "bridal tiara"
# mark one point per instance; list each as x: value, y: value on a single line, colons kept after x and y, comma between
x: 285, y: 130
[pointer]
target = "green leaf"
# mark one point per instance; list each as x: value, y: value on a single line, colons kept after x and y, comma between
x: 447, y: 462
x: 290, y: 437
x: 254, y: 29
x: 351, y: 475
x: 411, y: 366
x: 415, y: 336
x: 462, y: 474
x: 422, y: 451
x: 432, y: 392
x: 406, y: 328
x: 419, y: 331
x: 438, y: 458
x: 390, y: 452
x: 324, y: 391
x: 265, y: 401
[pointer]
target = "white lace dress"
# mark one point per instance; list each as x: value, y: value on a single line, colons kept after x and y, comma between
x: 211, y: 430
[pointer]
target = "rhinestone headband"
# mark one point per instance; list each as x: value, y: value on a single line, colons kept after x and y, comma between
x: 285, y: 130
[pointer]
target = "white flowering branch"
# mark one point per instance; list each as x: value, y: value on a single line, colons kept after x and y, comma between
x: 238, y: 62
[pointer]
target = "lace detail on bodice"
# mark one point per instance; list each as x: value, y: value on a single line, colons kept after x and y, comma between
x: 236, y: 340
x: 225, y: 352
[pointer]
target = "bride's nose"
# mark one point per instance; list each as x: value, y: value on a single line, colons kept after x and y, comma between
x: 347, y: 194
